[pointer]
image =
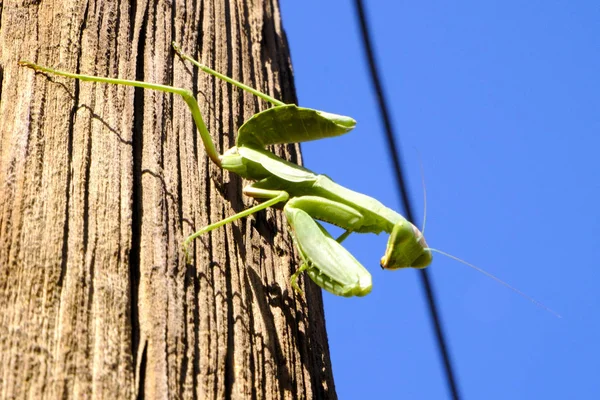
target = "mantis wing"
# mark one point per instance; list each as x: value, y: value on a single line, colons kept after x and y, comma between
x: 291, y: 124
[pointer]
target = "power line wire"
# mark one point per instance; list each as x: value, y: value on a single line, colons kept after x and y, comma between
x: 394, y: 153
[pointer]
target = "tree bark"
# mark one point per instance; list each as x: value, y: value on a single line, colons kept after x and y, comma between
x: 100, y: 184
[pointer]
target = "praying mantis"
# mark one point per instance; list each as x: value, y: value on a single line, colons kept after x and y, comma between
x: 305, y: 197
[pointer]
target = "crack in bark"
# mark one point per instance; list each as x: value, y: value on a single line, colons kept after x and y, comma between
x: 136, y: 216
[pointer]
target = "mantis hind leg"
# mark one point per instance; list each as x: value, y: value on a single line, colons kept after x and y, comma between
x: 187, y: 96
x: 225, y: 78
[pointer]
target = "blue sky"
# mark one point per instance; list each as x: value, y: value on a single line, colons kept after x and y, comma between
x: 501, y: 99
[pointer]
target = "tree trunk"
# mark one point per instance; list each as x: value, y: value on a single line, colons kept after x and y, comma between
x: 100, y: 184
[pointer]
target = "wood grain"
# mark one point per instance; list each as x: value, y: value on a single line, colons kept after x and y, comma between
x: 100, y: 184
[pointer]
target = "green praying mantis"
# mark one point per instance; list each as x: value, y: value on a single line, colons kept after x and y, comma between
x: 306, y: 197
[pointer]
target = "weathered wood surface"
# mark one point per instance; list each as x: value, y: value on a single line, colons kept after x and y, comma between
x: 99, y: 184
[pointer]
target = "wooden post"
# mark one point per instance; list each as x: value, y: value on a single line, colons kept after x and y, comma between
x: 100, y: 184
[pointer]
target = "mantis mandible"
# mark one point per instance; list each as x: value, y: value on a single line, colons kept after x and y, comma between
x: 306, y: 197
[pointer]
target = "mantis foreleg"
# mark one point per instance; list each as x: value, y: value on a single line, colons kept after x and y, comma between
x: 325, y: 260
x: 304, y: 266
x: 328, y: 264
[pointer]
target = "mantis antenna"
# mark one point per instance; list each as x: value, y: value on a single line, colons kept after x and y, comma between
x: 517, y: 291
x: 534, y: 301
x: 424, y: 192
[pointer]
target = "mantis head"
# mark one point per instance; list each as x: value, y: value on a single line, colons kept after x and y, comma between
x: 406, y: 248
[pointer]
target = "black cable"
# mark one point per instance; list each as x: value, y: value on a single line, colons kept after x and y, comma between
x: 393, y: 149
